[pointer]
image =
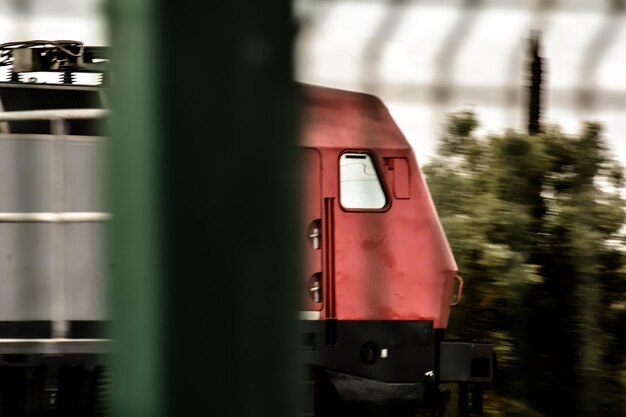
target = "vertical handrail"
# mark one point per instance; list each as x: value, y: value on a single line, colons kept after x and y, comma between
x: 57, y: 270
x: 459, y: 293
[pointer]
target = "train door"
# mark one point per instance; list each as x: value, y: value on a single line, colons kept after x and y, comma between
x: 370, y: 244
x: 310, y: 229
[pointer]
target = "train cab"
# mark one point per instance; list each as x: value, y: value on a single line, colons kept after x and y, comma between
x: 378, y: 276
x: 385, y: 256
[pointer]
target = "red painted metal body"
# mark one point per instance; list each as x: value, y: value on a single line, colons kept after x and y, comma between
x: 392, y: 263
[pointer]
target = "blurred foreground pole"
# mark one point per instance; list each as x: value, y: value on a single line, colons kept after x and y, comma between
x: 202, y: 193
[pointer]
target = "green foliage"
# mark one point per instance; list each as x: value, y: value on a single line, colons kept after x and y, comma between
x: 536, y: 224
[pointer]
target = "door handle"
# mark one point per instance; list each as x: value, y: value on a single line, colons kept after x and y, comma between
x: 315, y: 234
x: 315, y: 288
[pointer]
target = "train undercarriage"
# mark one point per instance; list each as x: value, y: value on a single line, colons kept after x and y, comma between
x: 54, y: 378
x: 391, y: 368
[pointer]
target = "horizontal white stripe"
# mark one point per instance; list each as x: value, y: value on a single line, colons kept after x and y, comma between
x: 48, y: 137
x: 309, y: 315
x: 55, y: 346
x: 58, y: 340
x: 54, y: 217
x: 9, y: 116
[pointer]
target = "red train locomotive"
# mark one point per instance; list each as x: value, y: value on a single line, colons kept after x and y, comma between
x: 378, y: 273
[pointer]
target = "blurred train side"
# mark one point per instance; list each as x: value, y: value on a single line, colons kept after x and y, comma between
x: 52, y: 256
x: 42, y: 267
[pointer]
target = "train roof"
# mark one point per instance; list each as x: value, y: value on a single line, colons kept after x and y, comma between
x: 345, y: 119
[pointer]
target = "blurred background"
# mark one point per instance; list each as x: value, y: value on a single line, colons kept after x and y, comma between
x: 536, y: 221
x: 83, y: 20
x: 426, y: 58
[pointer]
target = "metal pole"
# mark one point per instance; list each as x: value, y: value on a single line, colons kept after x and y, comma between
x: 463, y: 406
x: 137, y: 312
x: 204, y: 260
x: 229, y: 150
x: 57, y: 270
x: 477, y: 399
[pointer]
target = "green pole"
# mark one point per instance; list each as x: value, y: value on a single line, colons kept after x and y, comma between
x: 204, y: 270
x: 136, y: 200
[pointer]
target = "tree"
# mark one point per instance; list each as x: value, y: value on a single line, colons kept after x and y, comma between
x: 536, y: 224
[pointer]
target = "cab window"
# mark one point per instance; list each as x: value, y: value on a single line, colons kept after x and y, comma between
x: 360, y: 186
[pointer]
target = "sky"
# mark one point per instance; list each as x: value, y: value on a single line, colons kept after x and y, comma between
x: 81, y: 20
x: 426, y: 58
